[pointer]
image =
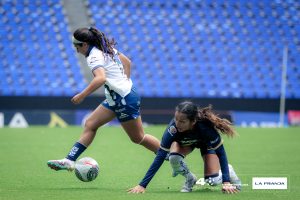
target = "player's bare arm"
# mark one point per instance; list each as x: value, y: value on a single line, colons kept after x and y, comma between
x: 98, y: 81
x: 126, y: 64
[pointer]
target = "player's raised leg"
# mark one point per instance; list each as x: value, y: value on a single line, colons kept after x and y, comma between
x: 135, y: 131
x: 98, y: 118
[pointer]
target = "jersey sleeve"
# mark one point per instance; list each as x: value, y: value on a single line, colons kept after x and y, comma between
x: 95, y: 60
x: 168, y: 137
x: 161, y: 154
x: 212, y: 139
x: 156, y: 164
x: 220, y: 151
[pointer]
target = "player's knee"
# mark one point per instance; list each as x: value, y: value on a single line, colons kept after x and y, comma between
x: 89, y: 125
x: 175, y: 158
x: 138, y: 140
x: 177, y: 163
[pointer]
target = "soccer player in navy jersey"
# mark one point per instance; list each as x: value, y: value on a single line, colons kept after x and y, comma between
x: 110, y: 68
x: 195, y: 128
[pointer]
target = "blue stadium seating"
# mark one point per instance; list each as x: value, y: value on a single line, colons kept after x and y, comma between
x: 36, y: 57
x: 200, y: 48
x: 211, y: 48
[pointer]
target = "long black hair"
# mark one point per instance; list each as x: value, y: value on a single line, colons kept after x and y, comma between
x: 194, y: 113
x: 94, y: 37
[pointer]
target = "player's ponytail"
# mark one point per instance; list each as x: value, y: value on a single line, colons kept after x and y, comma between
x: 102, y: 42
x: 94, y: 37
x: 222, y: 125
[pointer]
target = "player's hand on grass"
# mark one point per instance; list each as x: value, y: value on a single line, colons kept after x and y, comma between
x: 137, y: 189
x: 228, y: 188
x: 77, y: 99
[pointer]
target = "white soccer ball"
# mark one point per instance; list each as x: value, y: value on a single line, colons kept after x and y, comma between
x: 86, y: 169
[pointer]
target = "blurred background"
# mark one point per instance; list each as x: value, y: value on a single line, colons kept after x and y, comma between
x: 241, y: 56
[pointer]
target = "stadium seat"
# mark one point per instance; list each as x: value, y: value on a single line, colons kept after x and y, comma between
x: 32, y: 44
x: 217, y: 49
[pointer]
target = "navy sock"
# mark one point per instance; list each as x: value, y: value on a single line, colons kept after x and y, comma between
x: 76, y: 151
x: 212, y: 176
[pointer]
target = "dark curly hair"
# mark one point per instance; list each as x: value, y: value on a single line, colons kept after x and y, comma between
x: 193, y: 112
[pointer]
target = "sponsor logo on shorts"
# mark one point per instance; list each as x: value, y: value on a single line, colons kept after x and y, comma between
x: 123, y: 115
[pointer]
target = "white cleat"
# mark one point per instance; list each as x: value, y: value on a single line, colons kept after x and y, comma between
x: 189, y: 183
x: 63, y: 164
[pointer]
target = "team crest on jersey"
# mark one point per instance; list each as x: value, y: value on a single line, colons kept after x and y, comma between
x: 172, y: 130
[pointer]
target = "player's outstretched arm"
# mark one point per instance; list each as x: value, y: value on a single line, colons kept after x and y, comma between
x: 98, y: 81
x: 158, y: 161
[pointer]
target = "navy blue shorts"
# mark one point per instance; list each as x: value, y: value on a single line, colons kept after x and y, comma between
x: 126, y: 108
x: 204, y: 150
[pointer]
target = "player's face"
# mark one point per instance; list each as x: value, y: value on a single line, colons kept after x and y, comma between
x: 182, y: 122
x: 81, y: 48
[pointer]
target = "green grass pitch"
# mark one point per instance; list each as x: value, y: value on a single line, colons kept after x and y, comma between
x: 256, y: 152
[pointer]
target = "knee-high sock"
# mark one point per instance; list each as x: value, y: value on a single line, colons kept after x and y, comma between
x: 178, y: 165
x: 76, y: 151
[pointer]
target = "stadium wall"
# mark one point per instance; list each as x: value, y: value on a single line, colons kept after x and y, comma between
x: 151, y: 104
x: 59, y: 111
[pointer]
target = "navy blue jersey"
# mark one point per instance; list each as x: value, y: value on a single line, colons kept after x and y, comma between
x: 203, y: 135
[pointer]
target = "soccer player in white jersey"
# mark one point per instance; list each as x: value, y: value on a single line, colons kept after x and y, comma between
x: 111, y: 69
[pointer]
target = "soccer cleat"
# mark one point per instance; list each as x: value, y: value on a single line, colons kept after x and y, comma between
x: 234, y: 179
x: 63, y: 164
x: 190, y: 181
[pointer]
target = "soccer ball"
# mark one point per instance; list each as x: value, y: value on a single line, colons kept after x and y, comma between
x: 86, y: 169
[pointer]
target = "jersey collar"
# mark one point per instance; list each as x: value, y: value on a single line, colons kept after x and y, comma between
x: 89, y: 50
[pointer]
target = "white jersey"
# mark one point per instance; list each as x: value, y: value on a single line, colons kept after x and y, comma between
x: 116, y: 79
